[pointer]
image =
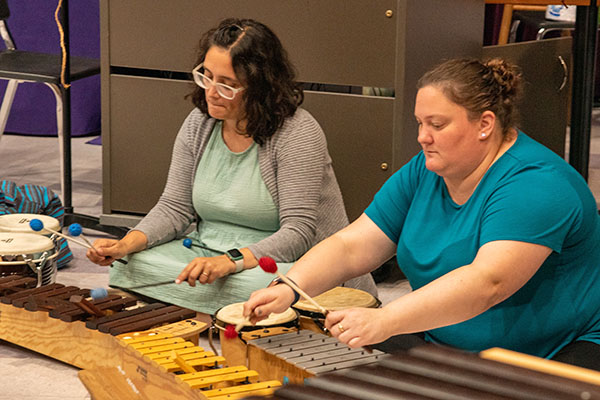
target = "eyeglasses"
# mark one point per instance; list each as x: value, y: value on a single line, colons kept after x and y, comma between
x: 225, y: 91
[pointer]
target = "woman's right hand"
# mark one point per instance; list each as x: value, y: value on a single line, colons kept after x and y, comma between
x: 105, y: 251
x: 263, y: 302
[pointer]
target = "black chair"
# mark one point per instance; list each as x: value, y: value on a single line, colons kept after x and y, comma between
x: 57, y: 72
x: 536, y: 22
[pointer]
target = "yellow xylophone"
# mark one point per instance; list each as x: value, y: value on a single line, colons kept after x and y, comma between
x: 160, y: 366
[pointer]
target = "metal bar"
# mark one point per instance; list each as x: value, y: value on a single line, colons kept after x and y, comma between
x: 584, y: 53
x: 66, y: 95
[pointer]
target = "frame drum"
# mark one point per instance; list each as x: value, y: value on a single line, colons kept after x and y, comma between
x: 338, y: 298
x: 28, y: 254
x: 234, y: 350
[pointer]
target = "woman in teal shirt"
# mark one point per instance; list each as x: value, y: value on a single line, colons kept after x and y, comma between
x: 497, y: 235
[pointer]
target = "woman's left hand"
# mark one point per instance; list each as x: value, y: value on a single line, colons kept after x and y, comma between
x: 358, y: 326
x: 206, y: 270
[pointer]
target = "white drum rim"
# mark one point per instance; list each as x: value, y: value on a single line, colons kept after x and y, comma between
x: 7, y: 223
x: 37, y: 260
x: 40, y: 245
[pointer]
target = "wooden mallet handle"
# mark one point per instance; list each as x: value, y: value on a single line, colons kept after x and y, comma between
x: 86, y: 306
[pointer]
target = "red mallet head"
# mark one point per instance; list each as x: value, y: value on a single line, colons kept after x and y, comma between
x: 268, y: 264
x: 230, y: 332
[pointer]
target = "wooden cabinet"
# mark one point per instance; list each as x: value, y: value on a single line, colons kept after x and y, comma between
x: 148, y: 49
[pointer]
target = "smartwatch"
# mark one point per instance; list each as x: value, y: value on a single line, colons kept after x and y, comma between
x: 237, y: 257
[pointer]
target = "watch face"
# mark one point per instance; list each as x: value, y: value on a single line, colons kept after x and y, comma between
x: 235, y: 254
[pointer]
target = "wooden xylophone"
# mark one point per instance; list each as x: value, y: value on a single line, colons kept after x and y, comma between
x: 48, y: 321
x: 125, y: 352
x: 435, y: 372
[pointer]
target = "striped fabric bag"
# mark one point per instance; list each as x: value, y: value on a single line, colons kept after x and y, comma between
x: 35, y: 199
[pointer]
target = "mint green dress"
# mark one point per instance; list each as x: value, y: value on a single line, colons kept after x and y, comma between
x: 235, y: 209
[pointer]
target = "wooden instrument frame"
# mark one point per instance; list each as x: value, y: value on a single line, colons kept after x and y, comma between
x: 35, y: 330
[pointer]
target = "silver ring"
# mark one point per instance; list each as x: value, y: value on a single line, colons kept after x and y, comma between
x: 341, y: 328
x: 204, y: 273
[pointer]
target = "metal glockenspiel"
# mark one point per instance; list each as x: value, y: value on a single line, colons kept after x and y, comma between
x: 292, y: 357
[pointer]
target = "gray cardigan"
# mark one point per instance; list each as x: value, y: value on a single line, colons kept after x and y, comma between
x: 296, y: 168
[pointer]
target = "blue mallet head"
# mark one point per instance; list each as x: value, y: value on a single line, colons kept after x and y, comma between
x: 187, y: 242
x: 36, y: 224
x: 98, y: 293
x: 75, y: 229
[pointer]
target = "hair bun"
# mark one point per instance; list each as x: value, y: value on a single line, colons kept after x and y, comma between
x: 507, y: 75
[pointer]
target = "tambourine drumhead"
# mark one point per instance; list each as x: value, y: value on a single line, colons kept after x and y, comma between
x: 233, y: 315
x: 20, y: 223
x: 339, y: 298
x: 23, y: 243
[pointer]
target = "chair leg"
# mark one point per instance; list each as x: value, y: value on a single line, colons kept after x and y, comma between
x: 9, y: 96
x: 514, y: 29
x: 507, y: 13
x: 60, y: 132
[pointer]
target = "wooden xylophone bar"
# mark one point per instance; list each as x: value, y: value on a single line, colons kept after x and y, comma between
x: 55, y: 299
x: 55, y: 290
x: 18, y: 281
x: 435, y: 372
x: 117, y: 324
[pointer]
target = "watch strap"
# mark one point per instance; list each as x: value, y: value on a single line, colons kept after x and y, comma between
x: 239, y: 265
x: 278, y: 280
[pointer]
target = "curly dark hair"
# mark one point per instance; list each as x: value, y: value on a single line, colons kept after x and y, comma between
x: 494, y: 85
x: 262, y: 65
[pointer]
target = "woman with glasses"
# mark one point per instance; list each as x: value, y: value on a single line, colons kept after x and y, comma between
x: 497, y: 235
x: 249, y: 167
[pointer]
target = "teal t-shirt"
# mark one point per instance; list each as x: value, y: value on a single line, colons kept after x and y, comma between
x: 529, y: 194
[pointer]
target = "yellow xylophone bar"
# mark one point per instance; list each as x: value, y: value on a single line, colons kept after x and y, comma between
x: 238, y: 392
x: 236, y: 377
x: 186, y: 356
x: 182, y: 352
x: 166, y: 347
x: 146, y: 344
x: 137, y: 338
x: 212, y: 372
x: 199, y: 362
